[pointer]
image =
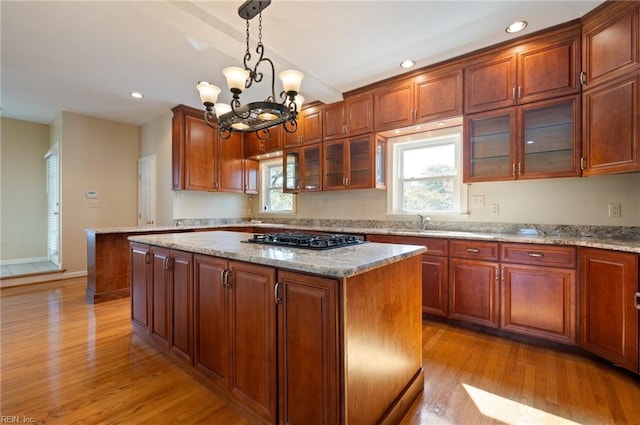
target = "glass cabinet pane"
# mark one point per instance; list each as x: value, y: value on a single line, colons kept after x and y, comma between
x: 311, y: 169
x: 292, y: 171
x: 333, y: 165
x: 490, y: 146
x: 548, y: 143
x: 381, y: 162
x: 360, y: 155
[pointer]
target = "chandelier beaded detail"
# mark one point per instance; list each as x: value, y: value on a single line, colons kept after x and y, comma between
x: 258, y: 116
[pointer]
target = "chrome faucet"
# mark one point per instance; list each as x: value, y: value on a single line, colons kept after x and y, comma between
x: 424, y: 221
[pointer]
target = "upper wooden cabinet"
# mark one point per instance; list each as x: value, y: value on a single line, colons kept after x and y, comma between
x: 309, y: 128
x: 303, y: 169
x: 433, y: 95
x: 544, y: 67
x: 611, y: 97
x: 610, y: 42
x: 255, y: 146
x: 200, y: 160
x: 351, y: 163
x: 351, y: 117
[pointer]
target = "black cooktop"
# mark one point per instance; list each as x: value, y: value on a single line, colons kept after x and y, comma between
x: 305, y: 240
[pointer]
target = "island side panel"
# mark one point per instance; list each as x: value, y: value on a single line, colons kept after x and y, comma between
x: 382, y: 340
x: 108, y: 268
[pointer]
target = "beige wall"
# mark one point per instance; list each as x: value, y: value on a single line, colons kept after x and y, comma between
x: 170, y: 205
x: 569, y: 201
x: 23, y: 186
x: 102, y: 156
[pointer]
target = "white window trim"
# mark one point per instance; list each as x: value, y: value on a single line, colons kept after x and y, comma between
x: 264, y: 190
x: 393, y: 165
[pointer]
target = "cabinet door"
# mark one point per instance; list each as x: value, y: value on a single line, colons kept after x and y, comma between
x: 140, y: 283
x: 333, y: 165
x: 160, y: 258
x: 359, y: 115
x: 611, y: 120
x: 393, y: 106
x: 211, y: 329
x: 490, y: 146
x: 608, y: 319
x: 549, y: 68
x: 334, y: 121
x: 308, y: 347
x: 259, y: 143
x: 291, y: 166
x: 539, y: 302
x: 251, y: 176
x: 181, y: 302
x: 312, y: 128
x: 199, y: 154
x: 230, y: 158
x: 253, y: 337
x: 611, y: 42
x: 439, y: 96
x: 435, y: 285
x: 360, y: 171
x: 549, y: 138
x: 473, y: 291
x: 490, y: 84
x: 311, y: 168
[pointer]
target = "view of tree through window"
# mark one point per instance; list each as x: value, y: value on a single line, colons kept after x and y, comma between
x: 276, y: 200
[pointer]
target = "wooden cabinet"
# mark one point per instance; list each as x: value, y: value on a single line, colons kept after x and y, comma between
x: 200, y: 160
x: 308, y: 349
x: 535, y: 140
x: 433, y: 95
x: 610, y: 42
x: 309, y: 128
x: 303, y: 169
x: 349, y: 164
x: 611, y: 93
x: 255, y: 146
x: 543, y: 67
x: 435, y: 270
x: 171, y: 295
x: 351, y: 117
x: 251, y: 176
x: 140, y: 257
x: 473, y: 282
x: 538, y: 291
x: 609, y: 303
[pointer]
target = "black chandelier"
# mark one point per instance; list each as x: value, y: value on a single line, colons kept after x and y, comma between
x: 255, y: 116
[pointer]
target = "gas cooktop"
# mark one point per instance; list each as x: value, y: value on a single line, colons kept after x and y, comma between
x: 305, y: 240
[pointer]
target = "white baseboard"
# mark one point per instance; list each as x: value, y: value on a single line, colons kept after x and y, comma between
x: 23, y: 260
x: 9, y: 282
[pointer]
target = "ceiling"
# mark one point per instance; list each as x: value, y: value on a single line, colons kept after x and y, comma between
x: 86, y: 57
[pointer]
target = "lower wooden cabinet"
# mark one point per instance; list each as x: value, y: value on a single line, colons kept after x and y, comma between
x: 473, y: 291
x: 609, y: 315
x: 140, y: 258
x: 308, y: 347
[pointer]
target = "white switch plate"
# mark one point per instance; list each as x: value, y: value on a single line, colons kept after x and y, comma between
x: 477, y: 201
x: 495, y: 209
x: 615, y: 210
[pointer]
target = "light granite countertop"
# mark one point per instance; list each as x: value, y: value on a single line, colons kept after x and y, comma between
x: 631, y: 243
x: 339, y: 262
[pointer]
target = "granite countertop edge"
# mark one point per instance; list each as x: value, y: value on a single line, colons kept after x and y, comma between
x: 230, y: 245
x: 617, y: 244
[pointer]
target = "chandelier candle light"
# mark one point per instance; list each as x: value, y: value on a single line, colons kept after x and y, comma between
x: 254, y: 116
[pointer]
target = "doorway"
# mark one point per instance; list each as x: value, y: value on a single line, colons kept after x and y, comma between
x: 53, y: 205
x: 146, y: 191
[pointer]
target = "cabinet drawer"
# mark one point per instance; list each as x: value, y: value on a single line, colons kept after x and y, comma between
x: 544, y: 255
x: 475, y: 250
x: 434, y: 246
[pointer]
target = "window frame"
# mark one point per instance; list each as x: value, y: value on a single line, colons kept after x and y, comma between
x: 265, y: 188
x: 438, y: 137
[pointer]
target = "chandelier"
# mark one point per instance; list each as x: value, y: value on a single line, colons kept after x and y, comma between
x: 255, y: 116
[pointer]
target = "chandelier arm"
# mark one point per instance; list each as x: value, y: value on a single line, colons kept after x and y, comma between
x: 209, y: 118
x: 224, y: 133
x: 264, y: 131
x: 293, y: 126
x: 235, y: 103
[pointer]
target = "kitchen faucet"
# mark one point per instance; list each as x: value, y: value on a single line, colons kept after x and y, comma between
x: 424, y: 221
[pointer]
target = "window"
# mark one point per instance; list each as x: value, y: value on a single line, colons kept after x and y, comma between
x: 273, y: 200
x: 427, y: 173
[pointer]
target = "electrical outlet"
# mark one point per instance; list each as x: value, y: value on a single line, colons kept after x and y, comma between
x: 477, y: 201
x: 615, y: 210
x: 495, y: 209
x: 94, y: 203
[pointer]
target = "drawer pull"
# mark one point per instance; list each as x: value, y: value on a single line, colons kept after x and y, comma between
x: 637, y: 300
x: 536, y: 254
x: 473, y: 250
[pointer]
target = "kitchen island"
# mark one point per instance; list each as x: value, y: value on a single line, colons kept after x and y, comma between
x: 287, y: 335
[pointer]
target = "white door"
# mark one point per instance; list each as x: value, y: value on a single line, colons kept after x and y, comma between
x: 146, y: 191
x: 53, y: 205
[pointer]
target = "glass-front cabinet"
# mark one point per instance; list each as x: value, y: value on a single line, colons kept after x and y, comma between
x: 537, y: 140
x: 303, y: 169
x: 349, y: 164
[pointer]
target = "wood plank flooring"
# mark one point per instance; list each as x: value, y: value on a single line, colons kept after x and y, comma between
x: 67, y: 362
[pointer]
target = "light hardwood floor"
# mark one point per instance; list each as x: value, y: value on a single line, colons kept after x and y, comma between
x: 66, y: 362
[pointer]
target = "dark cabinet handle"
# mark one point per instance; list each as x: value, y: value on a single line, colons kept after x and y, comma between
x: 276, y: 295
x: 147, y: 257
x: 637, y: 300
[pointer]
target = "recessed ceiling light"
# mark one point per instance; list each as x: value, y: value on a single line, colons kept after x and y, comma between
x: 136, y: 95
x: 408, y: 63
x: 517, y: 26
